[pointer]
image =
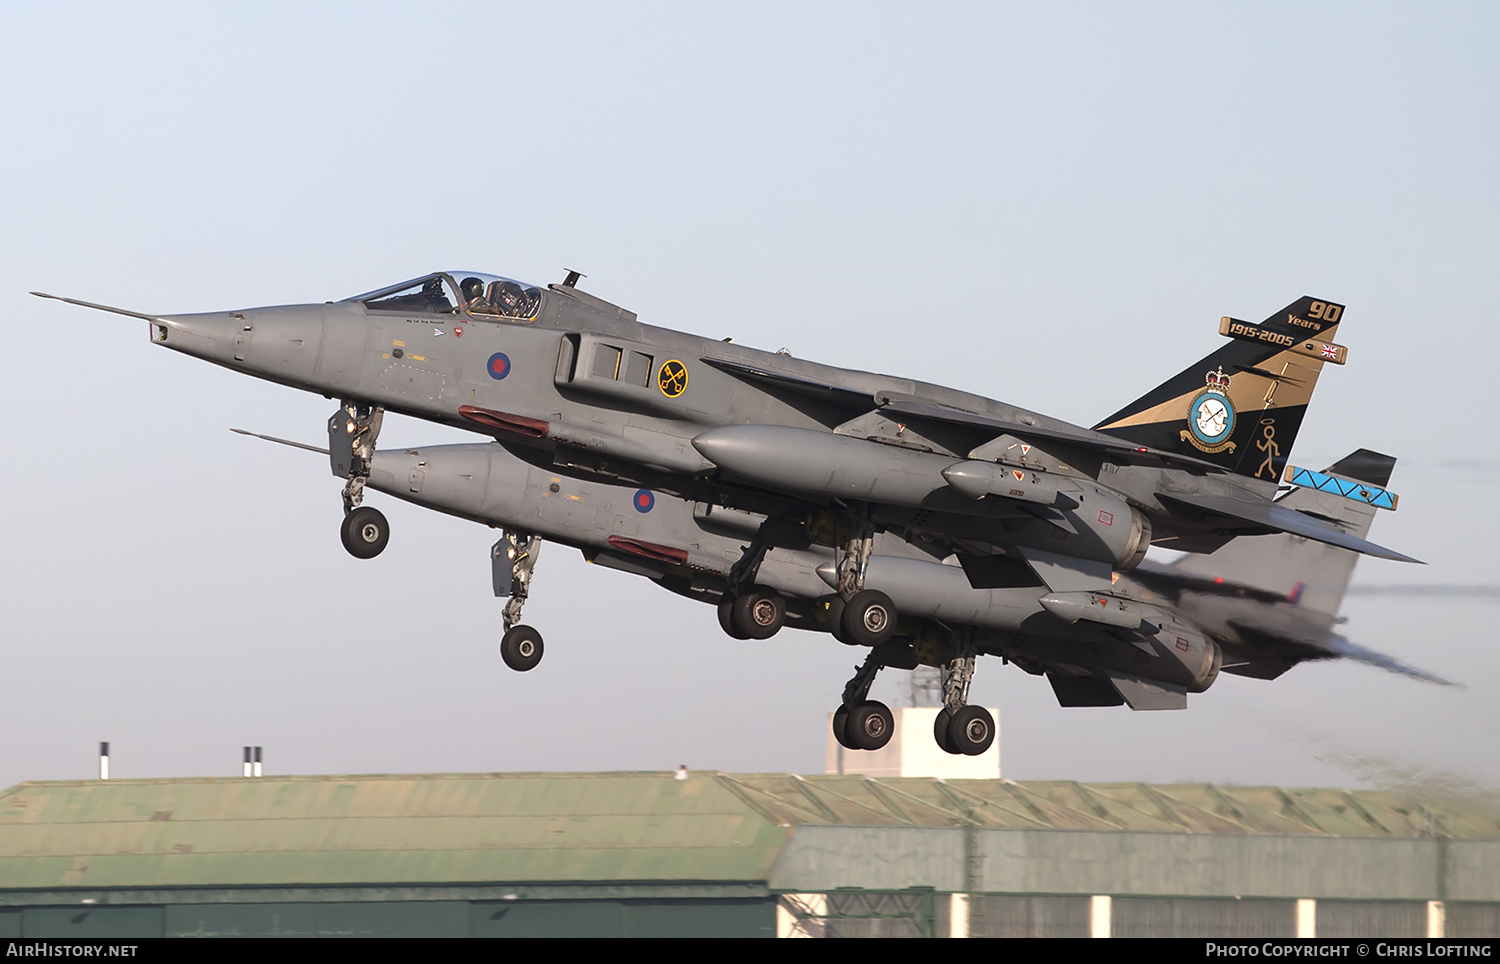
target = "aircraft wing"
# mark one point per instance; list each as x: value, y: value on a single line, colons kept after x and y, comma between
x: 1110, y: 448
x: 781, y: 380
x: 1277, y: 518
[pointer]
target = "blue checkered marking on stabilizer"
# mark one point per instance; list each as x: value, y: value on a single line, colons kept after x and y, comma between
x: 1348, y: 488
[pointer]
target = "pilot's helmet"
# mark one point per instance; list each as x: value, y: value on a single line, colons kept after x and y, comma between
x: 472, y: 288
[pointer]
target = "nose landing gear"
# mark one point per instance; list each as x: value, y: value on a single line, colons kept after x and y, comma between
x: 352, y: 431
x: 512, y: 560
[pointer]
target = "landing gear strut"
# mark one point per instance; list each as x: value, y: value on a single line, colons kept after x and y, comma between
x: 511, y: 562
x: 352, y: 431
x: 960, y: 728
x: 861, y: 723
x: 859, y: 616
x: 748, y: 611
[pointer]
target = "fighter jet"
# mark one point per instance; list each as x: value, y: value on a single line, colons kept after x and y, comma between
x: 825, y: 456
x: 1255, y: 607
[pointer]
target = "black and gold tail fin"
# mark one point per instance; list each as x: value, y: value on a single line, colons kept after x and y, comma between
x: 1240, y: 407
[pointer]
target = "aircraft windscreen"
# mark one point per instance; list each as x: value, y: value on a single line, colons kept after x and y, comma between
x: 487, y: 294
x: 477, y: 293
x: 429, y: 295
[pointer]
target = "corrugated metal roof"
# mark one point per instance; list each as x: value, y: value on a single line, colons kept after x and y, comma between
x: 554, y: 827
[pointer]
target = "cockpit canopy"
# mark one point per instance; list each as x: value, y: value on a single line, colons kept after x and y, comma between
x: 449, y: 292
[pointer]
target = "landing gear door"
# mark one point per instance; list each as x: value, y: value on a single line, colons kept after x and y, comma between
x: 340, y: 444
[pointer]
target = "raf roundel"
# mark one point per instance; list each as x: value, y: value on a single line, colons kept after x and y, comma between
x: 644, y: 500
x: 498, y: 365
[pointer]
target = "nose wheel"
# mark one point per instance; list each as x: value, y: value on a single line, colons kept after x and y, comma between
x: 512, y: 560
x: 521, y: 648
x: 365, y: 532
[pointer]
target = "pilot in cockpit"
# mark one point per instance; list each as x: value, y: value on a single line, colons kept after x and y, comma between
x: 473, y: 292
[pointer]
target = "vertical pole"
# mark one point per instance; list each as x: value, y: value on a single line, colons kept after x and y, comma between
x: 257, y: 762
x: 103, y: 761
x: 1437, y: 919
x: 247, y: 761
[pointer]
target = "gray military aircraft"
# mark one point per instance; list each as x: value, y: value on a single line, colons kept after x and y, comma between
x: 1254, y: 607
x: 576, y: 386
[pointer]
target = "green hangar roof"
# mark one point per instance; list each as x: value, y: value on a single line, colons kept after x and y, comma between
x: 541, y: 828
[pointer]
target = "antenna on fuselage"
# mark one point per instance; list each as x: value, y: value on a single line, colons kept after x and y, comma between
x: 571, y: 281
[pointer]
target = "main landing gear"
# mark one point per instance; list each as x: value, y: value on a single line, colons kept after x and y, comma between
x: 861, y: 723
x: 511, y: 561
x: 352, y: 431
x: 748, y: 611
x: 856, y: 615
x: 960, y: 728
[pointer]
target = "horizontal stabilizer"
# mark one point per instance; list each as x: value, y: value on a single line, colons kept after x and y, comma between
x: 1278, y: 518
x: 1341, y: 646
x: 1146, y: 694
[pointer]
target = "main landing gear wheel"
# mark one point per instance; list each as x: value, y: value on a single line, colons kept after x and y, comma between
x: 521, y: 648
x: 869, y: 618
x: 759, y: 613
x: 365, y: 532
x: 869, y: 726
x: 940, y: 725
x: 971, y: 730
x: 836, y: 620
x: 726, y: 618
x: 840, y: 721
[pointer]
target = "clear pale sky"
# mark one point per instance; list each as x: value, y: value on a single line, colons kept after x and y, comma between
x: 1048, y: 204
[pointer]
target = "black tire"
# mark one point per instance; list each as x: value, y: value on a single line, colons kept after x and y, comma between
x: 840, y: 723
x: 940, y: 731
x: 726, y: 618
x: 760, y: 613
x: 972, y: 730
x: 521, y: 648
x: 870, y: 725
x: 836, y: 619
x: 869, y: 618
x: 365, y: 532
